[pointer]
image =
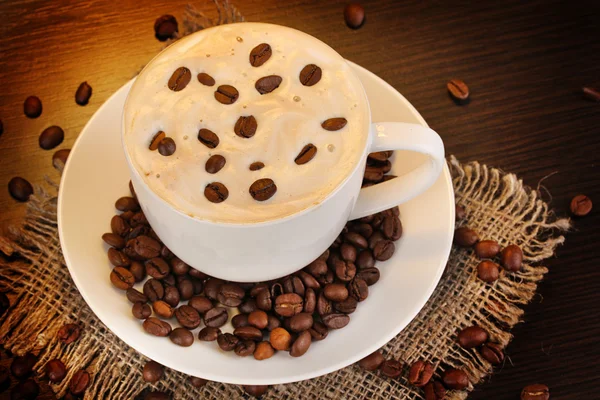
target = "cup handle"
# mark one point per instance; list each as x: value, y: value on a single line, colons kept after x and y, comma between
x: 401, y: 136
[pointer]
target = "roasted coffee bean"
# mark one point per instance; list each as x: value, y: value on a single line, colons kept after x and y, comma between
x: 373, y: 174
x: 384, y: 250
x: 301, y: 344
x: 216, y: 192
x: 226, y: 94
x: 134, y: 296
x: 465, y: 237
x: 365, y: 260
x: 227, y: 341
x: 458, y: 90
x: 267, y: 84
x: 59, y: 158
x: 25, y: 390
x: 172, y: 296
x: 348, y: 252
x: 83, y: 94
x: 165, y: 27
x: 22, y: 366
x: 316, y: 268
x: 375, y: 238
x: 581, y: 205
x: 372, y: 362
x: 260, y: 54
x: 354, y: 15
x: 246, y: 126
x: 153, y: 372
x: 248, y: 333
x: 231, y: 295
x: 245, y: 348
x: 335, y: 292
x: 239, y: 320
x: 69, y: 333
x: 178, y: 267
x: 297, y: 285
x: 157, y: 268
x: 158, y: 396
x: 511, y: 258
x: 391, y: 368
x: 180, y: 79
x: 434, y: 390
x: 492, y: 352
x: 127, y: 215
x: 335, y: 321
x: 324, y: 306
x: 140, y: 230
x: 326, y: 279
x: 472, y: 336
x: 208, y: 138
x: 276, y: 289
x: 263, y: 189
x: 113, y: 240
x: 55, y: 370
x: 51, y: 137
x: 117, y: 258
x: 591, y: 94
x: 212, y: 287
x: 308, y: 281
x: 288, y: 304
x: 256, y: 390
x: 127, y: 204
x: 392, y: 227
x: 263, y: 300
x: 209, y: 334
x: 118, y: 226
x: 274, y: 322
x: 369, y: 275
x: 121, y: 278
x: 307, y: 153
x: 194, y: 273
x: 334, y: 124
x: 487, y: 249
x: 345, y: 271
x: 197, y: 382
x: 188, y: 317
x: 167, y: 147
x: 310, y: 75
x: 182, y: 337
x: 488, y: 271
x: 420, y: 373
x: 347, y: 306
x: 259, y: 319
x: 215, y: 163
x: 156, y: 327
x: 358, y: 289
x: 198, y: 286
x: 79, y: 382
x: 379, y: 156
x: 536, y: 391
x: 263, y: 351
x: 356, y: 240
x: 455, y: 379
x: 319, y: 331
x: 301, y: 322
x: 280, y: 339
x: 185, y: 287
x: 141, y: 310
x: 216, y: 317
x: 206, y: 79
x: 32, y: 107
x: 255, y: 166
x: 248, y: 306
x: 459, y: 213
x: 310, y: 301
x: 363, y: 229
x: 154, y: 290
x: 162, y: 309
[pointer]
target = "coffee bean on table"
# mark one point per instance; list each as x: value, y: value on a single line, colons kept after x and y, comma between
x: 434, y: 390
x: 488, y: 271
x: 256, y: 390
x: 354, y: 15
x: 260, y: 54
x: 455, y: 379
x: 536, y: 391
x: 267, y: 84
x: 246, y: 126
x: 227, y: 341
x: 358, y: 289
x: 487, y: 249
x: 216, y: 192
x: 154, y: 290
x: 492, y: 352
x: 301, y: 344
x: 465, y: 237
x: 255, y: 166
x: 121, y: 278
x: 581, y: 205
x: 289, y: 304
x: 127, y: 204
x: 472, y: 336
x: 458, y: 90
x: 511, y: 258
x: 197, y: 382
x: 372, y: 362
x: 180, y: 79
x: 141, y: 310
x: 51, y: 137
x: 188, y: 317
x: 319, y: 331
x: 391, y: 368
x: 25, y: 390
x: 79, y: 382
x: 134, y: 296
x: 22, y: 366
x: 55, y: 370
x: 59, y: 159
x: 215, y: 163
x: 226, y: 94
x: 165, y: 27
x: 69, y: 333
x: 32, y: 107
x: 20, y: 189
x: 209, y: 334
x: 347, y: 306
x: 152, y: 372
x: 335, y: 321
x: 182, y: 337
x: 83, y: 94
x: 216, y: 317
x: 334, y: 124
x: 157, y: 327
x: 591, y: 94
x: 263, y: 189
x: 420, y: 373
x: 310, y: 75
x: 307, y: 153
x: 206, y: 79
x: 245, y: 348
x: 335, y: 292
x: 167, y: 147
x: 208, y: 138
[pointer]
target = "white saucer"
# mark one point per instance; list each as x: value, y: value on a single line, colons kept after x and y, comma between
x: 96, y: 175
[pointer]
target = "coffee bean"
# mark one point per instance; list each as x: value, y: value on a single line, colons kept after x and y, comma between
x: 118, y: 226
x: 188, y: 317
x: 25, y: 390
x: 206, y: 79
x: 354, y: 15
x: 392, y: 227
x: 154, y: 290
x: 511, y: 258
x: 167, y: 147
x: 156, y: 327
x: 301, y: 322
x: 215, y: 163
x: 79, y: 382
x: 256, y: 390
x: 348, y: 252
x: 310, y: 301
x: 288, y: 304
x: 488, y: 271
x: 465, y: 237
x: 117, y: 258
x: 274, y: 322
x: 260, y: 54
x: 179, y: 267
x: 245, y: 126
x: 180, y: 79
x: 216, y: 192
x: 200, y: 304
x: 141, y: 310
x: 264, y: 301
x: 51, y: 137
x: 245, y: 348
x: 32, y: 107
x: 356, y: 240
x: 301, y: 344
x: 308, y: 280
x: 113, y: 240
x: 263, y: 189
x: 391, y: 368
x: 492, y: 352
x: 363, y: 229
x: 335, y: 321
x: 434, y: 390
x: 255, y: 166
x: 208, y: 138
x: 384, y: 250
x: 165, y: 27
x: 83, y: 94
x: 369, y: 275
x: 358, y: 289
x: 455, y: 379
x: 197, y: 382
x: 458, y: 90
x: 365, y: 260
x: 319, y: 331
x: 310, y: 75
x: 460, y: 213
x: 420, y: 373
x: 335, y: 292
x: 162, y: 309
x: 316, y: 268
x: 347, y: 306
x: 182, y: 337
x: 263, y: 351
x: 55, y: 370
x: 581, y: 205
x: 239, y: 321
x: 157, y: 268
x: 153, y: 372
x: 345, y: 271
x: 216, y: 317
x: 248, y: 333
x: 59, y: 159
x: 22, y: 366
x: 127, y: 204
x: 372, y: 362
x: 227, y: 341
x: 267, y: 84
x: 69, y: 333
x: 258, y: 319
x: 20, y: 189
x: 324, y: 306
x: 487, y: 249
x: 280, y: 339
x: 121, y: 278
x: 591, y: 94
x: 134, y: 296
x: 209, y: 334
x: 226, y: 94
x: 375, y: 238
x: 536, y: 391
x: 231, y: 295
x: 334, y: 124
x: 473, y: 336
x: 307, y: 153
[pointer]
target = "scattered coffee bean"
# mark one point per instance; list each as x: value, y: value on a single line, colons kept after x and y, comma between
x: 458, y: 90
x: 135, y: 296
x: 154, y: 290
x: 255, y: 390
x: 392, y: 227
x: 226, y: 94
x: 280, y: 339
x: 354, y: 14
x: 375, y: 238
x: 118, y: 226
x: 334, y: 124
x: 197, y: 382
x: 372, y: 362
x: 180, y: 79
x: 69, y: 333
x: 255, y: 166
x: 459, y: 213
x: 258, y: 319
x: 335, y: 321
x: 200, y: 304
x: 274, y: 322
x: 511, y: 258
x: 263, y: 189
x: 83, y: 94
x: 79, y: 382
x: 248, y: 333
x: 231, y: 295
x: 55, y: 370
x: 335, y: 292
x: 245, y: 348
x: 121, y: 278
x: 267, y: 84
x: 157, y: 268
x: 488, y: 271
x: 301, y: 344
x: 391, y: 368
x: 239, y: 321
x: 156, y: 327
x: 188, y: 317
x: 369, y: 275
x: 165, y: 27
x: 212, y: 288
x: 384, y: 250
x: 310, y: 75
x: 356, y: 240
x: 25, y: 390
x: 215, y: 163
x: 324, y: 306
x: 127, y: 204
x: 347, y: 306
x: 288, y: 305
x: 301, y: 322
x: 307, y: 153
x: 536, y: 391
x: 319, y: 331
x: 209, y: 334
x: 487, y: 249
x: 455, y: 379
x: 216, y: 192
x: 113, y: 240
x: 465, y: 237
x: 263, y: 351
x: 246, y: 126
x: 167, y: 147
x: 163, y: 309
x: 208, y: 138
x: 20, y: 189
x: 152, y: 372
x: 492, y: 352
x: 51, y: 137
x: 435, y: 391
x: 182, y: 337
x: 227, y: 341
x: 117, y: 258
x: 365, y: 260
x: 22, y: 366
x: 472, y: 336
x: 206, y: 79
x: 591, y: 94
x: 216, y: 317
x: 420, y: 373
x: 141, y: 310
x: 260, y: 54
x: 32, y: 107
x: 59, y: 159
x: 581, y: 205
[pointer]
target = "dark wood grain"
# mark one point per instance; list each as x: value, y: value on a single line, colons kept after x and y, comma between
x: 525, y: 64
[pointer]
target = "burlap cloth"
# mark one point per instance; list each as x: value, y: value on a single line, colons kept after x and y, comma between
x: 43, y: 297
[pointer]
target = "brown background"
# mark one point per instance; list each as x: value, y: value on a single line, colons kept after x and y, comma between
x: 525, y: 63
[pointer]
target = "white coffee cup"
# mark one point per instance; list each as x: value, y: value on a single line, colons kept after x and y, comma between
x: 252, y: 252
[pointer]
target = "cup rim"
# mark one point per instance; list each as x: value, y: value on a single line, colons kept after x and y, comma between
x: 274, y: 221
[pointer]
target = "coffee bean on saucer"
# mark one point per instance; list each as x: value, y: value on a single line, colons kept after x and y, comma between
x: 55, y: 370
x: 511, y: 258
x: 335, y: 292
x: 148, y: 248
x: 260, y: 54
x: 245, y: 126
x: 280, y: 339
x: 356, y: 240
x: 182, y: 337
x: 117, y: 258
x: 188, y: 317
x: 185, y: 287
x: 334, y: 124
x: 391, y: 368
x: 180, y: 79
x: 354, y: 15
x: 492, y: 352
x: 263, y: 189
x: 119, y: 226
x: 226, y: 94
x: 345, y: 271
x: 455, y: 379
x: 307, y: 153
x: 51, y: 137
x: 206, y: 79
x: 392, y: 227
x: 384, y: 250
x: 581, y: 205
x: 209, y: 334
x: 32, y: 107
x: 347, y: 306
x: 20, y: 189
x: 301, y: 322
x: 134, y: 296
x: 420, y: 373
x: 231, y: 295
x: 152, y: 372
x: 465, y: 237
x: 434, y: 390
x: 212, y: 287
x: 373, y: 174
x: 258, y: 319
x: 255, y: 166
x: 324, y: 306
x: 215, y: 163
x: 157, y: 327
x: 113, y: 240
x: 121, y: 278
x: 245, y: 348
x: 488, y: 271
x: 165, y: 27
x: 200, y: 304
x: 154, y: 290
x: 157, y: 268
x: 248, y: 333
x: 310, y: 75
x: 372, y: 362
x: 363, y: 229
x: 264, y: 300
x: 227, y: 341
x: 248, y: 306
x: 239, y: 321
x: 458, y: 90
x: 141, y: 310
x: 472, y: 336
x: 288, y: 305
x: 79, y: 382
x: 536, y: 391
x: 487, y: 249
x: 319, y: 331
x: 263, y: 351
x: 68, y: 333
x: 301, y: 344
x: 335, y: 321
x: 216, y: 317
x: 25, y: 390
x: 358, y: 289
x: 267, y: 84
x: 167, y: 147
x: 22, y: 366
x: 216, y: 192
x: 59, y: 159
x: 127, y: 204
x: 591, y: 94
x: 208, y: 138
x: 83, y: 94
x: 348, y: 252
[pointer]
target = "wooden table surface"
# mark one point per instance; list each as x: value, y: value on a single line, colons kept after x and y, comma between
x: 524, y: 61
